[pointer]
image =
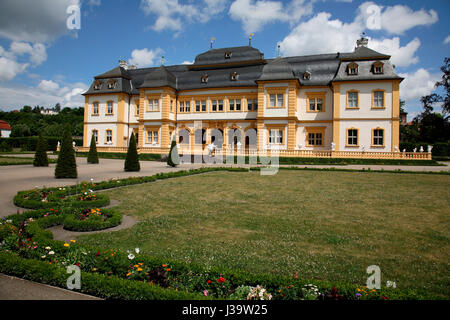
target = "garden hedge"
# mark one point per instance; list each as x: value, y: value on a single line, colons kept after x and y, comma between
x: 59, y: 199
x: 30, y: 143
x: 73, y: 223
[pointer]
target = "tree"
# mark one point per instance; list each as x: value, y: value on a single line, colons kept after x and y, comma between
x: 132, y: 159
x: 66, y: 166
x: 40, y: 157
x: 93, y: 156
x: 173, y: 159
x: 444, y: 83
x: 57, y: 107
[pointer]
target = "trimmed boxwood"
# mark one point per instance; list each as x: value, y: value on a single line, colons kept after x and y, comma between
x: 73, y: 223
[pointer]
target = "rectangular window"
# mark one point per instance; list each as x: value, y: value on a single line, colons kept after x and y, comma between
x: 95, y: 108
x: 352, y: 137
x: 276, y: 136
x: 152, y: 137
x: 153, y: 105
x: 273, y: 100
x: 110, y: 107
x: 251, y: 105
x: 188, y: 106
x: 231, y: 102
x: 171, y: 105
x: 197, y: 106
x: 137, y: 108
x: 95, y: 134
x: 238, y: 105
x: 315, y: 102
x: 280, y: 100
x: 315, y: 139
x: 214, y: 105
x: 352, y: 99
x: 181, y: 106
x: 203, y: 105
x: 378, y: 137
x: 108, y: 136
x: 220, y: 105
x: 378, y: 99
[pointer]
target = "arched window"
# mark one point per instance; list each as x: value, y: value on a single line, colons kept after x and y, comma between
x: 183, y: 136
x: 352, y: 69
x: 217, y: 137
x: 234, y: 136
x: 200, y: 136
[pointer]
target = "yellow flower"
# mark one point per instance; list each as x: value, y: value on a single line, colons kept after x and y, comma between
x: 139, y: 269
x: 128, y: 274
x: 73, y: 241
x: 66, y: 244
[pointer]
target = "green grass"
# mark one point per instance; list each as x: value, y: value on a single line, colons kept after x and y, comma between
x: 322, y: 225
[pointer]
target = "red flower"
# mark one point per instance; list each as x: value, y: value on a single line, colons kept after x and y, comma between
x: 220, y: 280
x: 209, y: 281
x: 77, y: 264
x: 385, y: 298
x: 98, y: 253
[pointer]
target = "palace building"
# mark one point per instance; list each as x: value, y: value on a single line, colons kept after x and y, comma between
x: 335, y: 105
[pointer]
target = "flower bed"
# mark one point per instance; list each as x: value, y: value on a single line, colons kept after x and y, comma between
x: 92, y: 219
x: 28, y: 250
x: 48, y: 198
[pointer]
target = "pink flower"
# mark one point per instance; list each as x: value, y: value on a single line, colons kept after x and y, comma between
x: 205, y: 293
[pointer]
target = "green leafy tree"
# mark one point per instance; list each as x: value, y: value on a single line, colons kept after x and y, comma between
x: 40, y: 157
x: 66, y: 166
x: 132, y: 159
x: 92, y: 156
x: 445, y: 84
x: 173, y: 158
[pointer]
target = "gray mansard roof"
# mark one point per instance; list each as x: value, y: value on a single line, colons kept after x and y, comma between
x: 243, y: 67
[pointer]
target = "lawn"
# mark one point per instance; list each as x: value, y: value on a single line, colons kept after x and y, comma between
x: 320, y: 225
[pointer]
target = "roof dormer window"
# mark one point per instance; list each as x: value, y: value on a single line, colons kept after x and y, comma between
x: 234, y: 76
x: 205, y: 78
x: 228, y: 55
x: 97, y: 85
x: 111, y: 84
x: 307, y: 75
x: 377, y: 67
x: 352, y: 69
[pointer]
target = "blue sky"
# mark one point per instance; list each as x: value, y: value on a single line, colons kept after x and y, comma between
x: 43, y: 62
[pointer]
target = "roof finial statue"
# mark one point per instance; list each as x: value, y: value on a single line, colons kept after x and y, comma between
x: 162, y: 60
x: 212, y: 40
x: 250, y: 39
x: 278, y: 53
x: 363, y: 41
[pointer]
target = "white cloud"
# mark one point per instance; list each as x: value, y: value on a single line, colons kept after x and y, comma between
x: 447, y: 40
x: 48, y: 85
x: 10, y: 68
x: 321, y: 34
x: 34, y: 21
x: 14, y: 97
x: 417, y: 84
x: 37, y: 51
x: 172, y: 15
x: 187, y: 62
x: 401, y: 56
x: 254, y: 15
x: 144, y: 57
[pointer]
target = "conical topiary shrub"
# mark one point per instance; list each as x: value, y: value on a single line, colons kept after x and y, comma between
x: 66, y: 167
x: 93, y: 155
x: 173, y: 159
x: 40, y: 157
x: 132, y: 159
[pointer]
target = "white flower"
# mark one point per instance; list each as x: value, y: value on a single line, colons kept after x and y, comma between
x: 137, y: 250
x: 43, y: 257
x: 8, y: 221
x: 131, y: 256
x: 92, y: 179
x: 51, y: 253
x: 47, y: 248
x: 391, y: 284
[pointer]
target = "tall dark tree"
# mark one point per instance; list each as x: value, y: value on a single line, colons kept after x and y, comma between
x: 173, y: 158
x: 93, y: 156
x: 132, y: 159
x: 444, y: 83
x: 40, y: 157
x: 66, y: 166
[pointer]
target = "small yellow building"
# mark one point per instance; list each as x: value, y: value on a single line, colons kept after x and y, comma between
x: 326, y: 105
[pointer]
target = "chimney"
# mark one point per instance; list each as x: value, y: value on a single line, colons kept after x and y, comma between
x: 123, y: 64
x: 363, y: 41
